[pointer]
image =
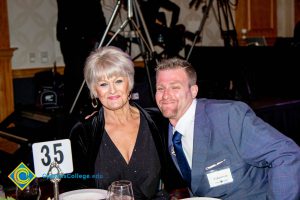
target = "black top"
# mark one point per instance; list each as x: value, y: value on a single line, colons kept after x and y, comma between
x: 86, y: 138
x: 142, y: 170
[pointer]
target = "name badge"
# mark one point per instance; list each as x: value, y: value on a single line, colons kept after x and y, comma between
x: 220, y: 177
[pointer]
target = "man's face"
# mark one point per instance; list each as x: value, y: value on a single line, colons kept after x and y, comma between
x: 174, y: 95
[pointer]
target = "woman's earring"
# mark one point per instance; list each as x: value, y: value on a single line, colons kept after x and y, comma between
x: 94, y: 103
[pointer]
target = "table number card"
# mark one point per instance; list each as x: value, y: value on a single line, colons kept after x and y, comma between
x: 45, y: 153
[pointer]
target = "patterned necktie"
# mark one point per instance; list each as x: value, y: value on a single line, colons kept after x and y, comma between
x: 181, y: 159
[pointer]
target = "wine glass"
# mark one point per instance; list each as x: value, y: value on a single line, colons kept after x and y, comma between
x: 30, y: 192
x: 120, y: 190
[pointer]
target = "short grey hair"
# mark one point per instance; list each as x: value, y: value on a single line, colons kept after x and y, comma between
x: 177, y: 63
x: 107, y: 62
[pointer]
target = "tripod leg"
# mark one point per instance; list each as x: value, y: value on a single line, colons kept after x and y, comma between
x: 100, y: 44
x: 147, y: 56
x: 123, y: 25
x: 77, y: 96
x: 112, y: 18
x: 136, y: 6
x: 199, y: 32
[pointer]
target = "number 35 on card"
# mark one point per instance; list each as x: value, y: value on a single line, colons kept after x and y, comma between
x: 45, y: 153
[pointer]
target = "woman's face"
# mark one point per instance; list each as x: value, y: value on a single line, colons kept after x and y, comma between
x: 113, y: 92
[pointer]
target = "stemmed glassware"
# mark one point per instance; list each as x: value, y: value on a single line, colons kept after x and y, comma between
x: 120, y: 190
x: 30, y: 192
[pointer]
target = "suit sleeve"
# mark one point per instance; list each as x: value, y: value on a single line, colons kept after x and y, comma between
x: 261, y: 145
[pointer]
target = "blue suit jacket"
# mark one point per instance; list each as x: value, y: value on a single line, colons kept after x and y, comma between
x: 264, y: 163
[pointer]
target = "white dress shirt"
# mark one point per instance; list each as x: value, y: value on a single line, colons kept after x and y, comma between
x: 185, y: 126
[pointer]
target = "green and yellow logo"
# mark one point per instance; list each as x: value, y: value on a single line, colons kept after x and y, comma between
x: 22, y: 176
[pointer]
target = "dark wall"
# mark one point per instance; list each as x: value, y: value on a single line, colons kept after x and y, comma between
x: 284, y: 117
x: 24, y: 91
x: 265, y: 71
x: 269, y: 72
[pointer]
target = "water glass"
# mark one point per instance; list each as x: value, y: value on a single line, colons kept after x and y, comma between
x: 30, y: 192
x: 120, y: 190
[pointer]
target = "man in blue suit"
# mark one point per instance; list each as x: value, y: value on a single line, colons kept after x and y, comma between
x: 230, y: 152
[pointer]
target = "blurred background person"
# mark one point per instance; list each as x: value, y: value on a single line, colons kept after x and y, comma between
x: 169, y: 36
x: 80, y: 26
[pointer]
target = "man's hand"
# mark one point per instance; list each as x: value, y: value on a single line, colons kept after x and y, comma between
x: 88, y: 116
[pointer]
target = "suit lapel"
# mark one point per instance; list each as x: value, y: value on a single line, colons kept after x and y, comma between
x: 202, y: 135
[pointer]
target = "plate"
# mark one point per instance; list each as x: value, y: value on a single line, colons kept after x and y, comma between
x: 200, y: 198
x: 84, y: 194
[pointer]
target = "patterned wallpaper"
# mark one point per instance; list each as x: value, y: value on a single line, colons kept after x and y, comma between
x: 32, y: 26
x: 32, y: 31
